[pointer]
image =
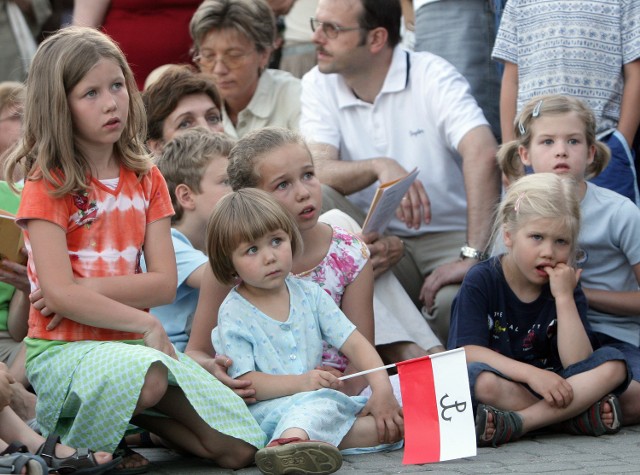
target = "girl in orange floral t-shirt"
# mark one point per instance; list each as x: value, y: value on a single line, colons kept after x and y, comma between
x: 91, y: 204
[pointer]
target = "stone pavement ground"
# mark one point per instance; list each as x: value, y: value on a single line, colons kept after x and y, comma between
x: 551, y: 453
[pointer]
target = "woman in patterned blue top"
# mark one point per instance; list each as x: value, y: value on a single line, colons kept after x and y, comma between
x: 273, y: 325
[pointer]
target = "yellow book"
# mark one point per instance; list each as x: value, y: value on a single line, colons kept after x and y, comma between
x: 11, y: 240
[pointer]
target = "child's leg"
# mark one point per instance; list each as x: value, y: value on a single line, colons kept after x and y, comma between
x: 588, y: 387
x: 630, y: 402
x: 12, y: 428
x: 363, y: 433
x: 186, y: 430
x: 154, y: 387
x: 494, y: 390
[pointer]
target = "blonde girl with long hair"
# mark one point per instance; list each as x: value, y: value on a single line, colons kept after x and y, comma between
x: 92, y: 202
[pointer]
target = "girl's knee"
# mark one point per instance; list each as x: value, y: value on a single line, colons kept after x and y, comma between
x: 242, y: 455
x: 614, y: 371
x: 487, y: 386
x: 154, y: 387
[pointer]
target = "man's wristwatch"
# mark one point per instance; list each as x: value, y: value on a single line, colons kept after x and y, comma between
x: 467, y: 252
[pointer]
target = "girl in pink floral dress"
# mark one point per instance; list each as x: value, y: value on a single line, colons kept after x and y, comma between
x: 278, y: 161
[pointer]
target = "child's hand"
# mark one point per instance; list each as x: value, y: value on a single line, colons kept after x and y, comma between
x: 388, y: 416
x: 155, y: 337
x: 318, y: 379
x: 552, y: 387
x: 563, y: 279
x: 37, y: 300
x: 334, y: 371
x: 239, y: 386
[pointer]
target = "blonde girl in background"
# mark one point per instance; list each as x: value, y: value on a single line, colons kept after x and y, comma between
x: 272, y: 325
x: 521, y: 318
x: 91, y: 203
x: 556, y: 134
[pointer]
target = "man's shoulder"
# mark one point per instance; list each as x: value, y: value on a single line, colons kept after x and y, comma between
x: 316, y: 77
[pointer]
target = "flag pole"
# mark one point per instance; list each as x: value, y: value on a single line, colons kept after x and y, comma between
x: 349, y: 376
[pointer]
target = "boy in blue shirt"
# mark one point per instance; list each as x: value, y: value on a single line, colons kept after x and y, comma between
x: 194, y: 165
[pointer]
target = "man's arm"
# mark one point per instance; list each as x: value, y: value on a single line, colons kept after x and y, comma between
x: 482, y: 185
x: 508, y: 97
x: 350, y: 176
x: 481, y: 182
x: 629, y: 110
x: 345, y: 176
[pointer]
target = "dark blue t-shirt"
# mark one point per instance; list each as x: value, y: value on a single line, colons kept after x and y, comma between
x: 487, y: 313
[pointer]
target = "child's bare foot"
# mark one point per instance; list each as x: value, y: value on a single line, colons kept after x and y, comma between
x: 489, y: 428
x: 606, y: 414
x: 64, y: 451
x: 611, y: 413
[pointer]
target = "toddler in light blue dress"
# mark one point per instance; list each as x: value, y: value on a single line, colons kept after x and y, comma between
x: 272, y: 325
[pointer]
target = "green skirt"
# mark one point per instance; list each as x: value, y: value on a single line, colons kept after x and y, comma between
x: 87, y: 392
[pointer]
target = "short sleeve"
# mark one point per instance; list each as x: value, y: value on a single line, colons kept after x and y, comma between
x: 158, y: 195
x: 626, y: 224
x: 469, y: 321
x: 319, y: 111
x: 38, y: 203
x: 630, y: 31
x: 506, y: 44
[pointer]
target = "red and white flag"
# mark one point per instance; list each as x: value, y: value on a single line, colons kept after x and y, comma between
x: 438, y: 417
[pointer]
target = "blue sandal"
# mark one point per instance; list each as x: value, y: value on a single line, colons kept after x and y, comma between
x: 16, y: 457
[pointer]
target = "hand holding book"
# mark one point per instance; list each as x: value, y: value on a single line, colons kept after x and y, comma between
x: 385, y: 202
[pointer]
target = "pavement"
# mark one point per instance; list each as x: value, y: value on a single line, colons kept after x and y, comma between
x: 549, y: 453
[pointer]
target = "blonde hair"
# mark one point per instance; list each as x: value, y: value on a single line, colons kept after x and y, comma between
x: 185, y: 158
x: 244, y: 157
x: 48, y: 146
x: 550, y: 105
x: 11, y: 97
x: 11, y: 94
x: 245, y: 216
x: 540, y: 196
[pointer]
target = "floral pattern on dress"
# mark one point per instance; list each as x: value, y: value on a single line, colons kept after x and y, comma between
x: 87, y: 210
x: 343, y: 263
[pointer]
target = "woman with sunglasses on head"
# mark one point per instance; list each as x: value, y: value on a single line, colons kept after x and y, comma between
x: 233, y: 40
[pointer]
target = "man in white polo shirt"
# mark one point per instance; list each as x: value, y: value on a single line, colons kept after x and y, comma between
x: 372, y: 112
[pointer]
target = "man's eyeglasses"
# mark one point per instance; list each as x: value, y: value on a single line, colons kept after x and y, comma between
x: 330, y: 29
x: 231, y: 59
